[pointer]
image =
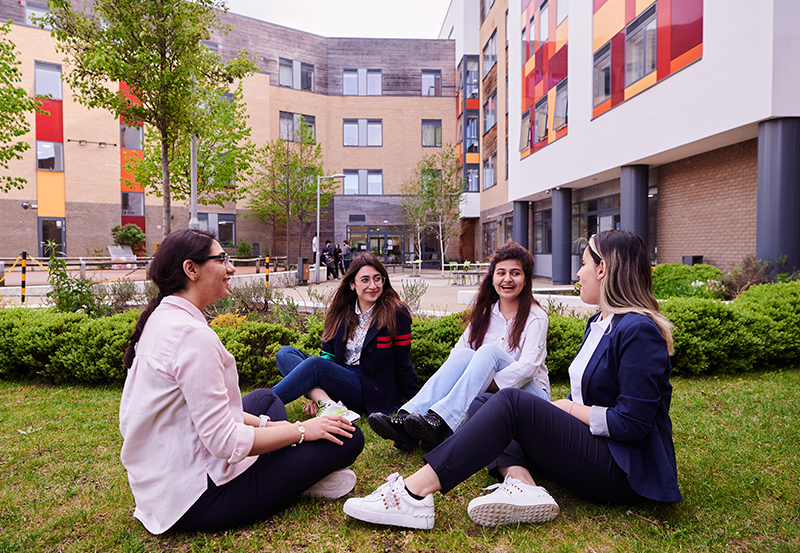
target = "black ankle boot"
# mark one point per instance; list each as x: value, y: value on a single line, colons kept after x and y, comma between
x: 429, y: 428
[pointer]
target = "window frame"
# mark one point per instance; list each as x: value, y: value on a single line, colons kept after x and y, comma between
x: 282, y: 117
x: 525, y: 131
x: 602, y: 63
x: 284, y: 63
x: 489, y: 112
x: 374, y: 173
x: 490, y: 57
x: 562, y: 11
x: 541, y: 107
x: 372, y: 73
x: 437, y: 132
x: 472, y: 185
x: 58, y: 156
x: 42, y: 68
x: 307, y: 69
x: 648, y: 62
x: 131, y: 212
x: 136, y: 132
x: 562, y: 95
x: 437, y: 82
x: 544, y: 23
x: 349, y: 123
x: 490, y: 171
x: 349, y: 73
x: 379, y: 124
x: 472, y: 89
x: 349, y: 175
x: 472, y: 142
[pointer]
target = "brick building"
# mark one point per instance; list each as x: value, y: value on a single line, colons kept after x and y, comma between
x: 377, y: 106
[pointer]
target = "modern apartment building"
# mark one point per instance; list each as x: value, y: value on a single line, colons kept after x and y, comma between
x: 376, y: 105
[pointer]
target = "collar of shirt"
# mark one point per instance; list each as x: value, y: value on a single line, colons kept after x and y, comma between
x: 186, y: 305
x: 496, y: 313
x: 365, y: 317
x: 581, y: 361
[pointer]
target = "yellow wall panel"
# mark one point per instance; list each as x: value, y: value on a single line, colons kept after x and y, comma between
x: 562, y: 34
x: 473, y: 158
x: 645, y: 82
x: 642, y: 5
x: 607, y: 22
x: 50, y: 194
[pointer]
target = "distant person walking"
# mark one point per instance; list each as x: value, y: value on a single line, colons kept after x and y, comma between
x: 346, y: 255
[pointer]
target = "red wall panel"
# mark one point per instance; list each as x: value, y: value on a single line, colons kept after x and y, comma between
x: 663, y: 18
x: 50, y: 128
x: 538, y: 70
x: 135, y: 220
x: 557, y: 67
x: 598, y: 4
x: 687, y: 26
x: 618, y: 68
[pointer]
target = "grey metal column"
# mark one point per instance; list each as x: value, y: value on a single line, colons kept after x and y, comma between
x: 562, y: 236
x: 521, y: 222
x: 633, y: 188
x: 778, y: 222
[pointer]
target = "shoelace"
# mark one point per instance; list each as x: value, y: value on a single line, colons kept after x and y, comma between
x: 507, y: 486
x: 388, y: 492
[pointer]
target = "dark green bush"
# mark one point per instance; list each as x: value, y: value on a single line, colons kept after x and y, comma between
x: 780, y: 303
x: 254, y: 346
x: 432, y: 340
x: 677, y: 280
x: 564, y: 337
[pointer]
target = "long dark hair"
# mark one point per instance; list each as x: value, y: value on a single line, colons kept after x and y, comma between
x: 487, y: 296
x: 341, y: 311
x: 628, y: 284
x: 166, y: 271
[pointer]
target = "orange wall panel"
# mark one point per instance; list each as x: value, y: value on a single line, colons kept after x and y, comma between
x: 50, y: 194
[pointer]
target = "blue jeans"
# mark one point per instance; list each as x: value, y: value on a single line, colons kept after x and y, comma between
x: 464, y: 375
x: 302, y: 373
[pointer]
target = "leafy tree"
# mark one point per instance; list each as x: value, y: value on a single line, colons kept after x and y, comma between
x: 14, y: 105
x: 155, y: 46
x: 435, y: 191
x: 285, y: 184
x: 129, y: 235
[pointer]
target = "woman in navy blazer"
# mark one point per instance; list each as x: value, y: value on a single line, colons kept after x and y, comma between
x: 610, y: 441
x: 365, y: 362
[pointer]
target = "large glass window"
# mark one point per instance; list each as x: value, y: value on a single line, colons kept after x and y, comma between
x: 560, y: 116
x: 540, y: 119
x: 432, y: 132
x: 472, y: 180
x: 307, y: 77
x: 375, y: 132
x: 374, y: 182
x: 49, y: 156
x: 602, y: 74
x: 525, y: 131
x: 544, y: 24
x: 593, y: 216
x: 374, y: 82
x: 431, y: 83
x: 640, y: 46
x: 543, y: 231
x: 489, y: 173
x: 490, y: 113
x: 48, y: 80
x: 311, y: 121
x: 350, y: 182
x: 350, y: 132
x: 508, y: 228
x: 524, y: 42
x: 133, y: 203
x: 489, y: 238
x: 490, y: 54
x: 226, y: 229
x: 350, y: 82
x: 562, y: 10
x: 130, y: 137
x: 532, y: 37
x: 471, y: 83
x: 35, y: 10
x: 287, y: 126
x: 285, y: 72
x: 487, y: 7
x: 472, y: 135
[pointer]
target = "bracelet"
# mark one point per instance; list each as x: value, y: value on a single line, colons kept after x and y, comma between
x: 264, y: 420
x: 570, y: 408
x: 302, y: 430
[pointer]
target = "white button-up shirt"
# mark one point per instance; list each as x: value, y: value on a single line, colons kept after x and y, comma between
x: 598, y: 424
x: 181, y: 415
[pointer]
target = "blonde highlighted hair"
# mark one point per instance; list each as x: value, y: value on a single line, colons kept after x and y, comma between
x: 628, y: 284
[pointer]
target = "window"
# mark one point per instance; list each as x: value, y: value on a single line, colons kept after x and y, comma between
x: 471, y: 84
x: 490, y: 113
x: 311, y: 121
x: 350, y: 82
x: 540, y: 120
x: 487, y: 7
x: 560, y: 116
x: 431, y: 83
x: 460, y: 129
x: 374, y: 82
x: 506, y: 29
x: 532, y: 38
x: 285, y: 72
x: 375, y: 132
x: 290, y: 126
x: 490, y: 54
x: 543, y: 231
x: 525, y: 131
x: 472, y: 180
x: 48, y: 80
x: 489, y: 238
x: 562, y: 10
x: 640, y: 46
x: 226, y: 229
x: 472, y: 135
x: 544, y: 24
x: 130, y: 137
x: 287, y: 126
x: 133, y: 203
x: 489, y: 175
x: 602, y: 74
x: 524, y: 43
x: 213, y: 46
x: 36, y: 10
x: 508, y: 228
x: 307, y: 77
x: 432, y: 132
x: 593, y: 216
x: 374, y: 182
x: 351, y: 182
x: 49, y: 156
x: 350, y: 132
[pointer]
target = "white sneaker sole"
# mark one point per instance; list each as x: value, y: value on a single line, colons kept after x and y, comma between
x: 496, y: 514
x: 333, y: 486
x: 351, y: 507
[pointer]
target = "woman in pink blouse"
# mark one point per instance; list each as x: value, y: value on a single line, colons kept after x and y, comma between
x: 198, y: 455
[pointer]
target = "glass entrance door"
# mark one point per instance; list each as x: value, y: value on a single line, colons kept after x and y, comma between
x: 52, y: 229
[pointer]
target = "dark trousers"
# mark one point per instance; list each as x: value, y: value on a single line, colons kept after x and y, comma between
x: 515, y: 428
x: 273, y: 481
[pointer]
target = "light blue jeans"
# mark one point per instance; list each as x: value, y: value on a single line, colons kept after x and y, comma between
x: 464, y: 375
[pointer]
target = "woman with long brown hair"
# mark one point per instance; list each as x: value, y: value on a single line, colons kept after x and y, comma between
x: 503, y: 346
x: 365, y: 362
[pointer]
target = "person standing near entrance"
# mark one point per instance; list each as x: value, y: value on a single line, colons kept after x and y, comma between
x: 346, y: 255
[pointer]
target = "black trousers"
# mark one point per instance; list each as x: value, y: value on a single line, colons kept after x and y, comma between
x: 515, y: 428
x: 273, y: 481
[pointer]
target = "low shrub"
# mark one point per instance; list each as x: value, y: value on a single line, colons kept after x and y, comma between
x: 432, y: 340
x: 564, y: 337
x: 780, y: 303
x: 677, y: 280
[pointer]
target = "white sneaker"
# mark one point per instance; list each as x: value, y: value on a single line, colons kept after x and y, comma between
x: 511, y: 502
x: 335, y: 485
x: 325, y: 407
x: 390, y: 504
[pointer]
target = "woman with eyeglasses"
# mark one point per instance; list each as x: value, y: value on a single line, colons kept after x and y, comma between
x: 365, y: 363
x: 198, y: 455
x: 503, y: 346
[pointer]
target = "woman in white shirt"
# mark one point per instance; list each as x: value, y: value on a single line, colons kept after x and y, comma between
x: 198, y: 455
x: 504, y: 346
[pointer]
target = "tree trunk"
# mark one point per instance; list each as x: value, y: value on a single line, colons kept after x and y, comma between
x: 166, y: 225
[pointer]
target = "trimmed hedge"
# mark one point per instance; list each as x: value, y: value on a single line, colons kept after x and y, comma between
x: 758, y: 330
x: 677, y: 280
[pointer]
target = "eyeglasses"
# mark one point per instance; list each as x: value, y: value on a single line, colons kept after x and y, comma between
x: 224, y: 257
x: 377, y: 279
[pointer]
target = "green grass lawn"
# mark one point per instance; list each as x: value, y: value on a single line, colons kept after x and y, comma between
x: 62, y: 487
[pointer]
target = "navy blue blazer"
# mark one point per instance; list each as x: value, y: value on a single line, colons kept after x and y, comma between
x: 387, y: 375
x: 629, y: 374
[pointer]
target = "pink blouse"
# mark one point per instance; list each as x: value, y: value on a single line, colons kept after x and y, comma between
x: 181, y: 415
